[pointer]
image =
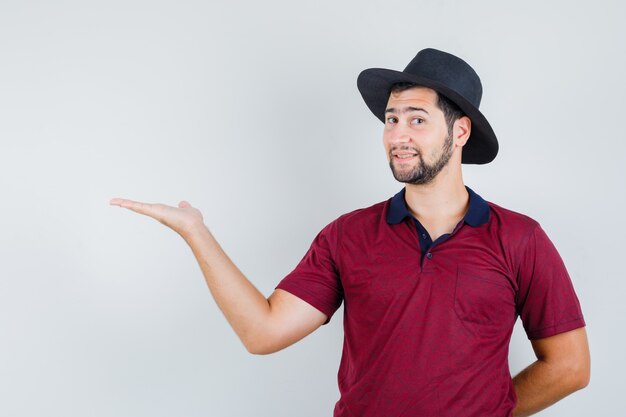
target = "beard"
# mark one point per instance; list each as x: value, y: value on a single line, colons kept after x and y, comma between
x: 423, y: 173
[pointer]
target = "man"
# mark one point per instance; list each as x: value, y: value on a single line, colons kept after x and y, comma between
x: 432, y: 280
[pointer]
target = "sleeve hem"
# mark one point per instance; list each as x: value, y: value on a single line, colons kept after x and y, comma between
x: 310, y: 299
x: 557, y: 329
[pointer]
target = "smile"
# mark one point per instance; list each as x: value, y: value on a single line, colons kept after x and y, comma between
x: 405, y: 157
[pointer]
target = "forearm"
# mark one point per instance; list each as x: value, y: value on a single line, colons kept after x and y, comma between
x: 264, y: 325
x: 245, y: 308
x: 542, y: 384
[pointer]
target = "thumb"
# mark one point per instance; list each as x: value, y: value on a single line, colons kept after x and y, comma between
x: 184, y: 204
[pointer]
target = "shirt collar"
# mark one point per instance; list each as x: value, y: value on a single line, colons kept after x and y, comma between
x: 477, y: 214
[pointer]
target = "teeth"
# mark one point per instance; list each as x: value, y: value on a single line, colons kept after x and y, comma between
x: 405, y: 156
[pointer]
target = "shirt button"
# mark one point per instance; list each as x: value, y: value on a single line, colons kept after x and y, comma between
x: 424, y: 235
x: 429, y: 255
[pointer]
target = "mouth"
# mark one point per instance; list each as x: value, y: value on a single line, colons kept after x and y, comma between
x: 403, y: 156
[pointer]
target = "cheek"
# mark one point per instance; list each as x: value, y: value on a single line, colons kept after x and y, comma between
x: 386, y: 146
x: 387, y: 138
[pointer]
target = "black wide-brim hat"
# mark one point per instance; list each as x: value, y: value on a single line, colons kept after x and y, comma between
x: 448, y: 75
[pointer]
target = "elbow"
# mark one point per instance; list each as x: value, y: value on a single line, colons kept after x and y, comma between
x: 256, y: 350
x: 251, y: 347
x: 583, y: 378
x: 260, y: 350
x: 584, y: 372
x: 260, y: 338
x: 579, y: 374
x: 265, y: 346
x: 259, y: 347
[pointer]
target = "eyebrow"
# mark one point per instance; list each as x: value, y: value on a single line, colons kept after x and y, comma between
x: 406, y: 110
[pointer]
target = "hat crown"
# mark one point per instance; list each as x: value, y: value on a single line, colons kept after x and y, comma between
x: 448, y: 70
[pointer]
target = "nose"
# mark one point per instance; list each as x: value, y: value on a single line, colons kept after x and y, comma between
x: 399, y: 135
x: 404, y: 137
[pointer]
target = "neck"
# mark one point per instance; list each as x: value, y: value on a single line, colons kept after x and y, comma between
x: 444, y: 198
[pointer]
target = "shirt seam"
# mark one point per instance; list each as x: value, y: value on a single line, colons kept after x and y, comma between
x: 519, y: 265
x: 308, y: 297
x: 555, y: 325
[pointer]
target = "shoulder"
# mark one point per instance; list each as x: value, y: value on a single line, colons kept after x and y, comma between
x: 511, y: 226
x: 365, y: 214
x: 359, y: 219
x: 505, y: 217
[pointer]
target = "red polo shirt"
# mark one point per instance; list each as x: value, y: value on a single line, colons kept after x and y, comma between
x: 427, y: 324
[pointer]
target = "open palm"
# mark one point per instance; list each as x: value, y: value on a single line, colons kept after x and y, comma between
x: 183, y: 219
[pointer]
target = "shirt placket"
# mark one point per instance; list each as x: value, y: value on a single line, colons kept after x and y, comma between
x: 426, y: 243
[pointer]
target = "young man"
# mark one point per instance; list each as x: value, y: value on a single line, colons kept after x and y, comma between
x: 432, y: 280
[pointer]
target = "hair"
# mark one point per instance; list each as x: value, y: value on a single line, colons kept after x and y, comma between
x: 451, y: 112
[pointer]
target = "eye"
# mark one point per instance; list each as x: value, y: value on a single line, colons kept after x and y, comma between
x: 417, y: 121
x: 391, y: 120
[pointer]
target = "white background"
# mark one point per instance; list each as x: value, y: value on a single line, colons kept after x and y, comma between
x: 250, y: 111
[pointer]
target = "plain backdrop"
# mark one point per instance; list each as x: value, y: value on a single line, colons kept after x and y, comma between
x: 250, y: 111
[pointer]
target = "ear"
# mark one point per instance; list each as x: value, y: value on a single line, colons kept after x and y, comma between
x: 461, y: 130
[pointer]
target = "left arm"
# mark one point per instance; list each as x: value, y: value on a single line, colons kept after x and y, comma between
x: 562, y: 367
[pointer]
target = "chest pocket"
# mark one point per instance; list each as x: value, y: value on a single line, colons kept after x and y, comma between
x: 484, y: 300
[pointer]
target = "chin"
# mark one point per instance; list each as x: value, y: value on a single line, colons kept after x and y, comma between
x: 406, y: 170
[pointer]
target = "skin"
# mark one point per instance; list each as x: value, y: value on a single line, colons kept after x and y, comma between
x: 408, y: 160
x: 415, y: 124
x: 435, y: 195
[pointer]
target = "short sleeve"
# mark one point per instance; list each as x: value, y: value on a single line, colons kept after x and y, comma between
x: 546, y: 300
x: 316, y: 278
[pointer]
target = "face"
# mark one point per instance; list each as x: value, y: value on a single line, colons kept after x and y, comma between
x: 416, y: 136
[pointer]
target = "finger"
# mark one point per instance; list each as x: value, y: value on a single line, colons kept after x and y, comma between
x: 184, y: 204
x: 136, y: 206
x: 117, y: 201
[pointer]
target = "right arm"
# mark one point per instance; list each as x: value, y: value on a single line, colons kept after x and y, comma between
x: 263, y: 325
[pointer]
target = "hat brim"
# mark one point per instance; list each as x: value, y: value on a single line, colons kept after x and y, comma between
x: 374, y: 84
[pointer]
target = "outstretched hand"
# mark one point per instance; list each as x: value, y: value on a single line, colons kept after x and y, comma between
x: 183, y: 219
